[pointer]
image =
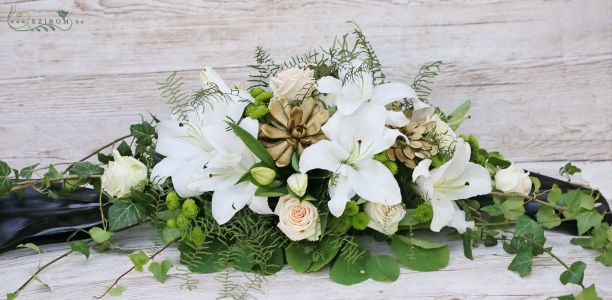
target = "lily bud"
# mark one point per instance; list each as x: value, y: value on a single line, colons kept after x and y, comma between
x: 298, y: 183
x: 263, y: 175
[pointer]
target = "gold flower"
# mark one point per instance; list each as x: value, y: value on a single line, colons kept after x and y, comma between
x: 292, y: 128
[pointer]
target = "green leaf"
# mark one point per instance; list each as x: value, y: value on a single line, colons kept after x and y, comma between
x: 382, y: 268
x: 513, y: 208
x: 548, y: 217
x: 299, y: 256
x: 536, y: 183
x: 84, y: 170
x: 328, y: 249
x: 170, y: 234
x: 554, y: 195
x: 498, y: 162
x: 458, y: 115
x: 588, y: 294
x: 26, y: 173
x: 99, y: 235
x: 117, y: 291
x: 80, y: 247
x: 205, y: 258
x: 409, y: 219
x: 5, y: 182
x: 566, y: 297
x: 421, y: 255
x: 348, y: 272
x: 605, y: 258
x: 528, y: 229
x: 12, y: 296
x: 31, y: 246
x: 255, y: 146
x: 522, y: 262
x: 160, y: 271
x: 125, y: 213
x: 103, y: 158
x: 568, y: 170
x: 51, y: 175
x: 587, y: 201
x: 493, y: 210
x: 124, y: 149
x: 265, y: 191
x: 574, y: 274
x: 242, y: 257
x: 467, y: 243
x: 143, y: 133
x: 295, y: 161
x: 572, y: 200
x: 139, y: 259
x: 588, y: 219
x: 273, y: 265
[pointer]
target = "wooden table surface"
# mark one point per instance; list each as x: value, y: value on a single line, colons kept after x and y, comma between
x: 539, y: 74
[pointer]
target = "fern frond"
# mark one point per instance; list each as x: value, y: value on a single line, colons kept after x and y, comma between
x: 424, y: 78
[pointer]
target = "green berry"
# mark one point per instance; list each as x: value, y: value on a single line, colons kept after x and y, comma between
x: 173, y: 201
x: 342, y: 224
x: 171, y: 222
x: 436, y: 161
x: 182, y: 222
x: 190, y: 209
x: 351, y: 208
x: 360, y: 221
x: 391, y: 165
x: 196, y: 235
x: 381, y: 157
x: 263, y: 98
x: 256, y: 111
x: 256, y: 91
x: 423, y: 213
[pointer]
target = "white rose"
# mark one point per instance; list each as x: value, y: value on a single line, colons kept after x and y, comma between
x: 298, y: 220
x: 298, y: 183
x: 513, y: 179
x: 384, y: 218
x: 123, y: 174
x: 291, y: 83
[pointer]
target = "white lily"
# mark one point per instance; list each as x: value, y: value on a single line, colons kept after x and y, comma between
x: 456, y: 179
x: 229, y: 162
x: 183, y: 142
x: 359, y: 90
x: 353, y: 140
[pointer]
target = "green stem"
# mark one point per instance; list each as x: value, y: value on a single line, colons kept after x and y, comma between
x: 105, y: 146
x: 530, y: 198
x: 33, y: 182
x: 40, y: 269
x: 549, y: 252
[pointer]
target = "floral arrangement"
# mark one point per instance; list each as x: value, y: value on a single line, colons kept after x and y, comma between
x: 318, y: 151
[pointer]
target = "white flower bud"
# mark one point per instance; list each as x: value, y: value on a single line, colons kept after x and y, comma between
x: 513, y: 179
x: 263, y: 175
x: 298, y: 183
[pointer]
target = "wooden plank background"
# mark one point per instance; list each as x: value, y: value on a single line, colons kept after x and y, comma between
x: 539, y: 74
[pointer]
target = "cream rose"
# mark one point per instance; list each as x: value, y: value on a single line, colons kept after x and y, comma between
x: 384, y: 218
x: 298, y: 220
x: 291, y: 83
x: 444, y: 133
x: 123, y: 174
x: 513, y: 179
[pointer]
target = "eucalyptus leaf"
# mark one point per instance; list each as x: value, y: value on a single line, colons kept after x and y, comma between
x: 382, y: 268
x: 416, y: 257
x: 299, y: 256
x: 348, y: 272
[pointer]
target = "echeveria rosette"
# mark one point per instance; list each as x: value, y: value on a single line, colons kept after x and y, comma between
x: 185, y: 142
x: 353, y: 141
x: 359, y: 90
x: 455, y: 180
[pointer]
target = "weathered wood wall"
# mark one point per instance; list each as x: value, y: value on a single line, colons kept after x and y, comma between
x: 539, y: 72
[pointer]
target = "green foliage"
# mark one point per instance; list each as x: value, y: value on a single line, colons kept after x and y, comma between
x: 587, y: 220
x: 588, y: 293
x: 349, y: 271
x: 265, y: 68
x: 139, y: 259
x: 26, y: 173
x: 493, y: 210
x: 424, y: 78
x: 173, y: 201
x: 360, y: 221
x: 455, y: 118
x: 5, y: 182
x: 255, y: 146
x: 513, y: 208
x: 117, y: 291
x: 31, y: 246
x: 568, y: 170
x: 423, y: 213
x: 299, y: 256
x: 547, y: 216
x: 392, y: 166
x: 574, y: 274
x: 467, y: 238
x: 124, y: 149
x: 144, y: 133
x: 160, y: 270
x: 528, y: 240
x: 601, y: 241
x: 170, y: 234
x: 124, y: 213
x: 256, y: 112
x: 382, y: 268
x: 80, y: 247
x: 99, y: 235
x: 420, y: 255
x: 190, y: 209
x: 326, y: 250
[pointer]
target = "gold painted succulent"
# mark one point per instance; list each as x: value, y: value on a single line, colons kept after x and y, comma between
x: 292, y: 128
x: 417, y: 146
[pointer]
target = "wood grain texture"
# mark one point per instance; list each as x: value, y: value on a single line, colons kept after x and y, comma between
x: 486, y: 277
x: 539, y: 72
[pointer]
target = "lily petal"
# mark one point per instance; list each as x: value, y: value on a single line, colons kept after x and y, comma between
x: 185, y: 174
x: 260, y: 205
x: 389, y: 92
x: 443, y: 214
x: 396, y: 118
x: 421, y: 170
x: 226, y: 202
x: 324, y: 155
x: 340, y: 194
x: 371, y: 180
x: 473, y: 181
